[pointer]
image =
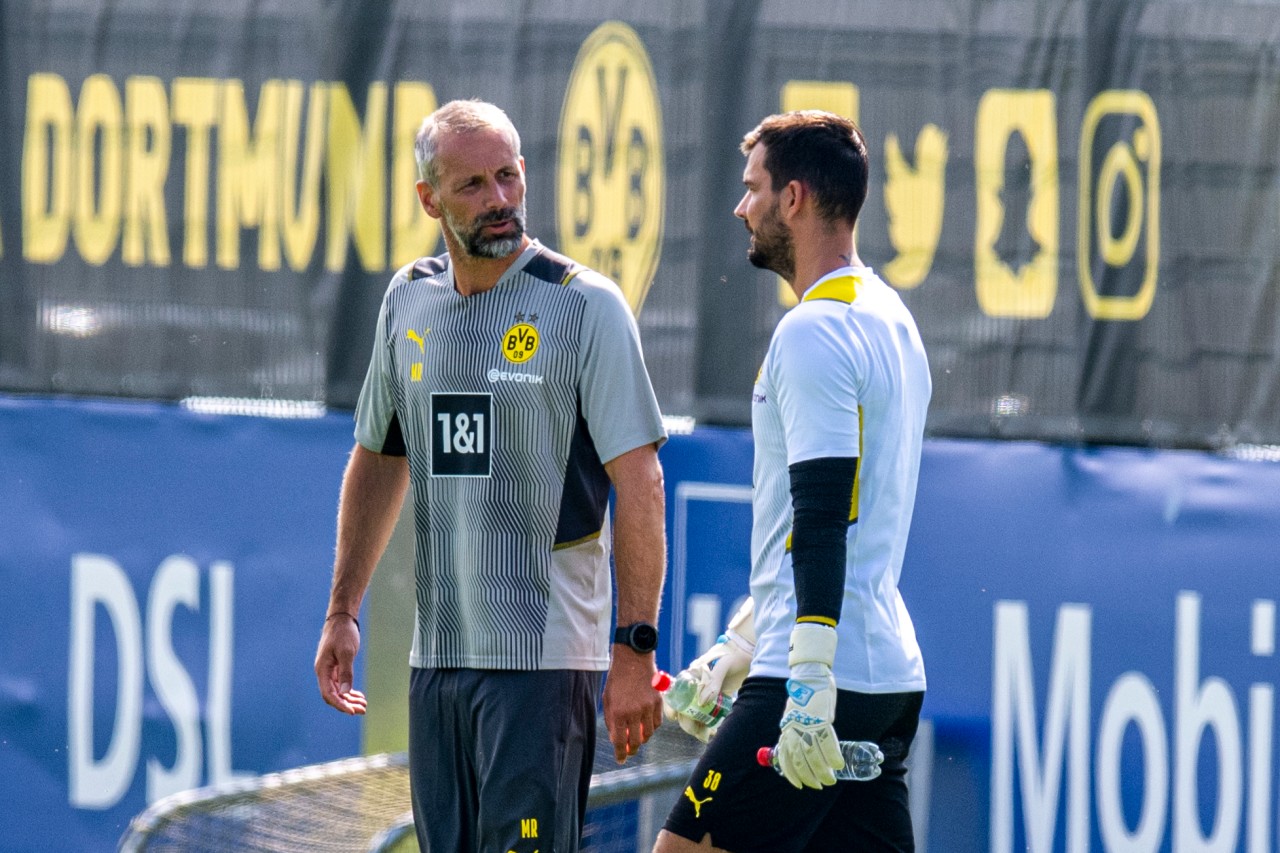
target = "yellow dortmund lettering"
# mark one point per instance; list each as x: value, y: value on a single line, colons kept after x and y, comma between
x: 413, y: 233
x: 843, y: 99
x: 914, y: 200
x: 1001, y: 290
x: 46, y: 169
x: 529, y: 828
x: 195, y: 105
x: 1134, y: 164
x: 356, y: 173
x: 99, y: 169
x: 147, y: 147
x: 300, y: 187
x: 249, y: 173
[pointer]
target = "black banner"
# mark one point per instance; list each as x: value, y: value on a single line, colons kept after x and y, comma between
x: 1078, y: 200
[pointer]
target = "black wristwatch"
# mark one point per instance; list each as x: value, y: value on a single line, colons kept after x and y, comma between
x: 640, y: 636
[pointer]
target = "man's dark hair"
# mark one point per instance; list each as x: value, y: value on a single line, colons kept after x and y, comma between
x: 823, y: 151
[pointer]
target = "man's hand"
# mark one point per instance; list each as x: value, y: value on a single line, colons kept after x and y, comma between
x: 335, y: 662
x: 373, y: 488
x: 808, y: 751
x: 720, y: 669
x: 632, y: 708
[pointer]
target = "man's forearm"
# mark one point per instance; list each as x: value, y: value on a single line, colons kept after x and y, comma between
x: 372, y: 493
x: 639, y: 544
x: 821, y: 491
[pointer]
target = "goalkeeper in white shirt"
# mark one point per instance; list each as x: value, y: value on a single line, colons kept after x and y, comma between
x: 824, y: 650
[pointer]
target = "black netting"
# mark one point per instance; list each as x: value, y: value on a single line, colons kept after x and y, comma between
x: 202, y: 201
x: 363, y: 804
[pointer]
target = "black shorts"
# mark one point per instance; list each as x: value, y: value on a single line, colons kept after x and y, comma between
x: 745, y: 807
x: 501, y: 759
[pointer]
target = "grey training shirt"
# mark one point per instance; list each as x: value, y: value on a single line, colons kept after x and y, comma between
x: 508, y: 403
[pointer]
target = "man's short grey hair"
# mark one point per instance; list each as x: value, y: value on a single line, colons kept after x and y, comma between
x: 465, y: 116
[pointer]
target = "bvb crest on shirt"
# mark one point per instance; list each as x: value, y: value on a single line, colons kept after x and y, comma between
x: 519, y: 343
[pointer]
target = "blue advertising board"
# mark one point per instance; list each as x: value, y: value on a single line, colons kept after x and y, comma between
x: 1098, y: 623
x: 164, y: 575
x: 1098, y: 627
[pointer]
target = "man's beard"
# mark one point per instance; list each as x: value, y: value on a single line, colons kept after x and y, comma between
x: 771, y: 246
x: 481, y: 245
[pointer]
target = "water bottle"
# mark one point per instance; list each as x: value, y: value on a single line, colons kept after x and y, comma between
x: 680, y: 694
x: 861, y: 760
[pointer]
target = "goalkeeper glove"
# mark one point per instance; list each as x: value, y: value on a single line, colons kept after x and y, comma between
x: 808, y: 752
x: 720, y: 669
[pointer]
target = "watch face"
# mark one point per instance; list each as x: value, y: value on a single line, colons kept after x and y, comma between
x: 644, y: 637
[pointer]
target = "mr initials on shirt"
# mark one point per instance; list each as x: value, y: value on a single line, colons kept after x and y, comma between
x: 462, y: 433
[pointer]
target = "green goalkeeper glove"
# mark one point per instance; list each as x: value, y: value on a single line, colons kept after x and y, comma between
x: 808, y: 751
x: 720, y: 669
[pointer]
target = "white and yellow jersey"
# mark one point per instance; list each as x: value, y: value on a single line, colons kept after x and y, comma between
x: 845, y: 375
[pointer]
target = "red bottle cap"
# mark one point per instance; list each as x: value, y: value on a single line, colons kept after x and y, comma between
x: 661, y: 681
x: 764, y: 756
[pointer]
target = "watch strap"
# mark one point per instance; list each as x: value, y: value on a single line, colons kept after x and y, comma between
x: 626, y: 635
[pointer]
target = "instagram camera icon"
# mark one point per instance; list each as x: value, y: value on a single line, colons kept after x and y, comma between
x: 1119, y: 205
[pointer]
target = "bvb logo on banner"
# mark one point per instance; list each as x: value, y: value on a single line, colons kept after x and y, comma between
x: 611, y: 175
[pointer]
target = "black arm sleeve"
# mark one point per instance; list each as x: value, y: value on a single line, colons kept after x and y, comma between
x: 821, y: 495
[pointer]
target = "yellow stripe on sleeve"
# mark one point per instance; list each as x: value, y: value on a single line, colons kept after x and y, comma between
x: 857, y: 474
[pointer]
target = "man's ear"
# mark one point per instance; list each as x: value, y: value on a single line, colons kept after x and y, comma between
x: 427, y: 197
x: 792, y: 198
